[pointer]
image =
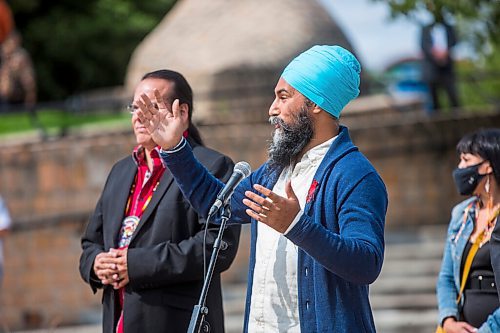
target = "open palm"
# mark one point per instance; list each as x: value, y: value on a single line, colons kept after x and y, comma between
x: 164, y: 124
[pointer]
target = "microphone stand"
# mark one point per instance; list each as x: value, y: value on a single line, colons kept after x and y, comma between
x: 198, y: 323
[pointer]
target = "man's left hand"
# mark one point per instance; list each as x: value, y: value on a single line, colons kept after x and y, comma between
x: 120, y: 278
x: 274, y: 210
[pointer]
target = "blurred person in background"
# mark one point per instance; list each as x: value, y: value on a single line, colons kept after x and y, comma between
x: 5, y: 222
x: 17, y: 76
x: 144, y: 243
x: 466, y: 292
x: 437, y: 42
x: 6, y: 20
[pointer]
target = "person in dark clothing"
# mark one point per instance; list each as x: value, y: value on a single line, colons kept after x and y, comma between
x: 467, y: 298
x: 144, y: 243
x: 437, y: 42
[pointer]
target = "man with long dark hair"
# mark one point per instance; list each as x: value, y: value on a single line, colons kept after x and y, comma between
x: 144, y: 243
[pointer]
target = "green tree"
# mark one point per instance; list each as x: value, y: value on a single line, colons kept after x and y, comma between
x: 83, y: 45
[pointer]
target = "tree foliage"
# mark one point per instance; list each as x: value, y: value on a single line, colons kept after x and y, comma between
x: 478, y: 20
x: 82, y: 45
x: 478, y: 24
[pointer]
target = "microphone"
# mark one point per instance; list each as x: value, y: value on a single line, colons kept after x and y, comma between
x: 241, y: 171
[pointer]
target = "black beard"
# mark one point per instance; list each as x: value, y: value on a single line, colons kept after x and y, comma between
x: 289, y: 139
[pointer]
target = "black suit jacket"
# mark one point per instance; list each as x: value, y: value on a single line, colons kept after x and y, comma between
x: 165, y: 260
x: 495, y: 254
x: 431, y: 68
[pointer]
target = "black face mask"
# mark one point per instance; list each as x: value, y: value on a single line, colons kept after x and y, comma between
x: 466, y: 179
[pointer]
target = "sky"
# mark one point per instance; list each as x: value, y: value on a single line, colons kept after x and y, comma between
x: 377, y: 39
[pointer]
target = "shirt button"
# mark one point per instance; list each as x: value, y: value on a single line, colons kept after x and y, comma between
x: 307, y: 271
x: 307, y: 305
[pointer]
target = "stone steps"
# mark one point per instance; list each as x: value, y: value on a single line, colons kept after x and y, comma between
x: 425, y: 250
x: 403, y: 298
x: 388, y: 285
x: 411, y: 267
x: 403, y: 302
x: 408, y: 321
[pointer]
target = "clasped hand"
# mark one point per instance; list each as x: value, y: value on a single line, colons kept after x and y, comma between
x: 111, y: 268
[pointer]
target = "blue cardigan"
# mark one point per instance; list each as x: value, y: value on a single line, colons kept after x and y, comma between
x: 340, y: 235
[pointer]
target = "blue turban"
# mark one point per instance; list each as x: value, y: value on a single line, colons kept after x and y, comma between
x: 327, y: 75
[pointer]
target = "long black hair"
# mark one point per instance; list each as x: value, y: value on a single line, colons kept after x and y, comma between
x: 182, y: 91
x: 485, y: 143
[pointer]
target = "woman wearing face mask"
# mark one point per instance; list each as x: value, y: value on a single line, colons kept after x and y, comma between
x: 466, y: 291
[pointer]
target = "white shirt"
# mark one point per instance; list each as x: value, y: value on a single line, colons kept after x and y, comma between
x: 274, y: 301
x: 439, y: 37
x: 4, y: 224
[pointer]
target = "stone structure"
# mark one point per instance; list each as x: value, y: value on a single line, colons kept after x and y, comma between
x: 232, y: 52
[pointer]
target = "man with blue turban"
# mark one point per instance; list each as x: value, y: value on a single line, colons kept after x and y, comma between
x: 316, y: 207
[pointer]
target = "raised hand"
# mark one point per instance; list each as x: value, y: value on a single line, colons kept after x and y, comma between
x: 164, y: 124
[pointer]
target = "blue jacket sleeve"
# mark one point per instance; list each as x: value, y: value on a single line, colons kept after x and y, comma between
x: 447, y: 282
x: 445, y: 287
x: 492, y: 324
x: 200, y: 187
x: 355, y: 252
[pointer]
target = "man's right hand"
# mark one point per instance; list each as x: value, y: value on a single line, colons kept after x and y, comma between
x: 104, y: 267
x: 165, y: 124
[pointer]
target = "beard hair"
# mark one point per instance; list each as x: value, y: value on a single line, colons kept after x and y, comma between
x: 289, y: 139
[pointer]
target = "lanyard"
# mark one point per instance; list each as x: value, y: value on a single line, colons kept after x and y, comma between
x: 141, y: 197
x: 141, y: 200
x: 478, y: 242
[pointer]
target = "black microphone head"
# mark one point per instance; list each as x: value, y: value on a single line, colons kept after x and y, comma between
x: 244, y: 168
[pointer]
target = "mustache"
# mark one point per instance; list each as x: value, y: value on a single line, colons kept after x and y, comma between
x: 275, y: 120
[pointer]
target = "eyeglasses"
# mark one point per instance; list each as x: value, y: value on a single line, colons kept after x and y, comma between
x: 131, y: 108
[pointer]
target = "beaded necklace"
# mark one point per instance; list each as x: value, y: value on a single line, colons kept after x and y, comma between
x: 488, y: 229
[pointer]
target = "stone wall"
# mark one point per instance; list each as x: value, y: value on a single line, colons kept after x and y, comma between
x: 415, y: 157
x: 52, y: 187
x: 42, y: 286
